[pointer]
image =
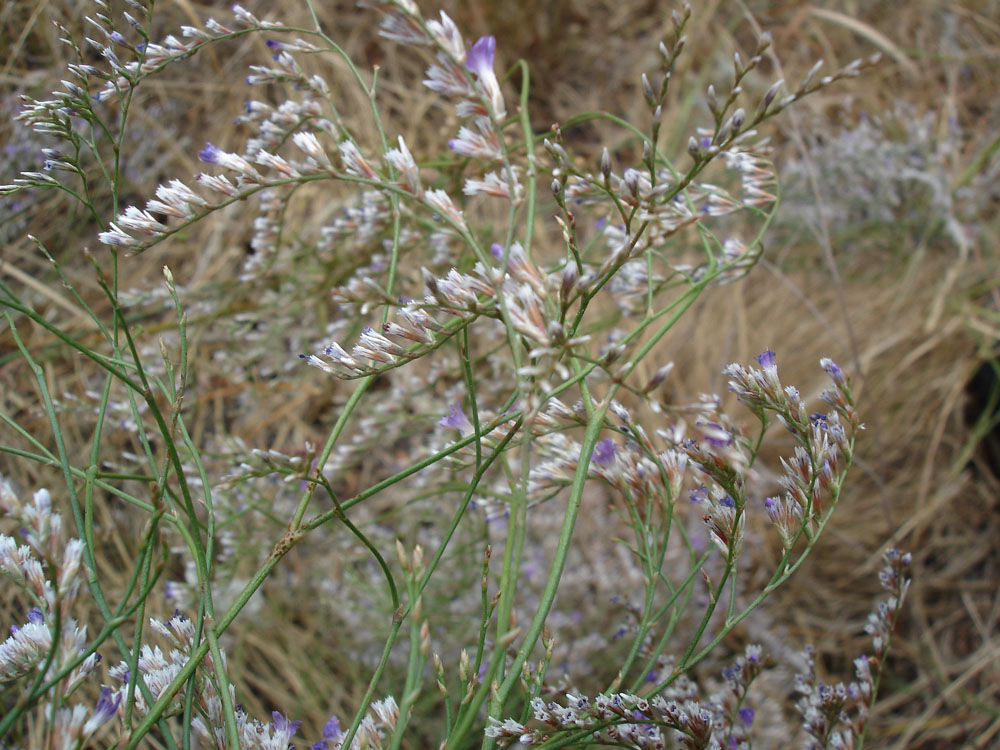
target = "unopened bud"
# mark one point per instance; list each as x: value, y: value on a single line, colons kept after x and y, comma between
x: 463, y: 665
x: 810, y: 75
x: 771, y: 93
x: 632, y: 182
x: 425, y: 638
x: 647, y: 90
x: 569, y: 277
x: 614, y: 352
x: 606, y: 164
x: 658, y: 377
x: 557, y: 152
x: 430, y: 282
x: 555, y: 331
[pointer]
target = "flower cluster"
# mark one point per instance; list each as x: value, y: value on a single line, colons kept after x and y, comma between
x: 464, y: 74
x: 825, y: 708
x: 630, y: 720
x: 825, y: 441
x: 46, y: 569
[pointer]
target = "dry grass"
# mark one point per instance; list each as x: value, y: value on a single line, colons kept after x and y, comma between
x: 914, y: 315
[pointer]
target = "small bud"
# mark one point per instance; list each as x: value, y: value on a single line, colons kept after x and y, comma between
x: 463, y: 665
x: 509, y: 637
x: 658, y: 377
x: 647, y: 151
x: 555, y: 331
x: 614, y: 352
x: 632, y: 182
x: 764, y: 42
x: 771, y: 93
x: 425, y: 638
x: 557, y: 152
x: 570, y: 275
x: 556, y: 187
x: 713, y: 102
x: 810, y: 75
x: 647, y: 90
x: 738, y: 63
x: 606, y: 164
x: 430, y: 282
x: 693, y: 147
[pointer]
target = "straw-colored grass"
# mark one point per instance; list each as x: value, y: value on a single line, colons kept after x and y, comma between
x: 910, y: 309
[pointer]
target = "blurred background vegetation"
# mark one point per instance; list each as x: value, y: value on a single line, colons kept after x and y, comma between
x: 884, y: 256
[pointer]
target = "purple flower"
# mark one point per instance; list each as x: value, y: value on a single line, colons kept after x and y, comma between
x: 35, y: 616
x: 273, y: 44
x: 282, y: 724
x: 106, y: 706
x: 604, y: 453
x: 497, y: 249
x: 766, y: 359
x: 746, y: 715
x: 699, y: 494
x: 331, y: 730
x: 117, y: 38
x: 479, y: 59
x: 833, y: 370
x: 457, y: 419
x: 209, y: 154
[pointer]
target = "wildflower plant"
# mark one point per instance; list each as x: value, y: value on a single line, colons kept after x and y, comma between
x: 516, y: 371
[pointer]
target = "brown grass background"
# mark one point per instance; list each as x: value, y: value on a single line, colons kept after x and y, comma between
x: 913, y: 317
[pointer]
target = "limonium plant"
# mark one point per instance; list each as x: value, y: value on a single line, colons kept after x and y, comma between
x: 499, y: 312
